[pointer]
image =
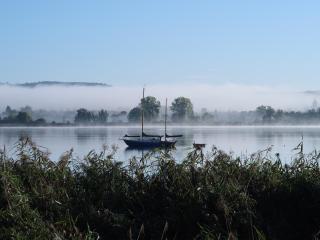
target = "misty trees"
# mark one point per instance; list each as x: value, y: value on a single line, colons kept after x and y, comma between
x: 181, y: 108
x: 19, y: 118
x: 119, y: 116
x: 13, y: 116
x: 23, y: 117
x: 26, y: 109
x: 8, y: 110
x: 84, y: 116
x: 135, y: 115
x: 10, y: 113
x: 207, y: 117
x: 40, y: 121
x: 279, y: 114
x: 266, y: 113
x: 102, y: 116
x: 151, y: 109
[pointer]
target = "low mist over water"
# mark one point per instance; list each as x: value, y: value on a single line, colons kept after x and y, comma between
x: 212, y: 97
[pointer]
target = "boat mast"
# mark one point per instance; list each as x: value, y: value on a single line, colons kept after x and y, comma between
x: 142, y: 113
x: 165, y: 121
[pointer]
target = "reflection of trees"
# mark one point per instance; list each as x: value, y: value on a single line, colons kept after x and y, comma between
x: 186, y: 139
x: 84, y: 135
x: 10, y: 136
x: 237, y: 139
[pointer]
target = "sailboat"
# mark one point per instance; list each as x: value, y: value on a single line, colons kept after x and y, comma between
x: 171, y: 142
x: 150, y: 141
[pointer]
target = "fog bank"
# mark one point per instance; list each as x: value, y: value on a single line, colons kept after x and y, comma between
x: 213, y: 97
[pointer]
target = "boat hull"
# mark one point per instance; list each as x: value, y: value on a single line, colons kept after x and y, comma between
x: 141, y: 144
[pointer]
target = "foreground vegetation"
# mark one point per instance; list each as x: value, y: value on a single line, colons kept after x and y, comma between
x: 216, y: 196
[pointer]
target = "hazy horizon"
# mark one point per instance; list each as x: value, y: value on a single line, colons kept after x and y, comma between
x: 225, y: 97
x: 222, y: 55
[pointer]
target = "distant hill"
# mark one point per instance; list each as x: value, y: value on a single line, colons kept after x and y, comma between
x: 55, y: 83
x: 312, y: 92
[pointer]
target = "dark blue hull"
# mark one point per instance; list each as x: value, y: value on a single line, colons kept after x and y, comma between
x: 140, y: 144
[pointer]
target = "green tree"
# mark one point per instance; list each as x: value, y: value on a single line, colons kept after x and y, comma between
x: 83, y: 116
x: 279, y: 114
x: 266, y: 113
x: 23, y: 117
x: 10, y: 113
x: 40, y: 121
x: 182, y: 108
x: 134, y: 115
x: 26, y: 109
x: 102, y: 116
x: 151, y: 108
x: 207, y: 117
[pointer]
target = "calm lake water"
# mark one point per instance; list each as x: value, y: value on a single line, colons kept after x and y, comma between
x: 238, y: 140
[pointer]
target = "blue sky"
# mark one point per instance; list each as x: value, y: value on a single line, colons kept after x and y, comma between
x: 272, y: 43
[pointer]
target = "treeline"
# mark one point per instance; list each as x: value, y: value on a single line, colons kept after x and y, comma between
x: 24, y: 116
x: 267, y: 115
x: 28, y: 116
x: 84, y: 116
x: 180, y: 110
x: 206, y: 196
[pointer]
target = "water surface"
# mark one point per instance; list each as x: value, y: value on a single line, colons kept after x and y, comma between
x: 240, y: 140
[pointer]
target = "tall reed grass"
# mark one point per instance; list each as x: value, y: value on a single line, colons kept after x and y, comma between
x: 206, y: 196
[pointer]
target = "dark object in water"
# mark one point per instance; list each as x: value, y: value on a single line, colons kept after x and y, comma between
x: 199, y: 146
x: 149, y: 143
x: 173, y: 136
x: 151, y: 135
x: 129, y: 136
x: 150, y: 140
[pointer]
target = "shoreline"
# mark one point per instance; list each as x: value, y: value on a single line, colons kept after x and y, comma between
x: 158, y: 125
